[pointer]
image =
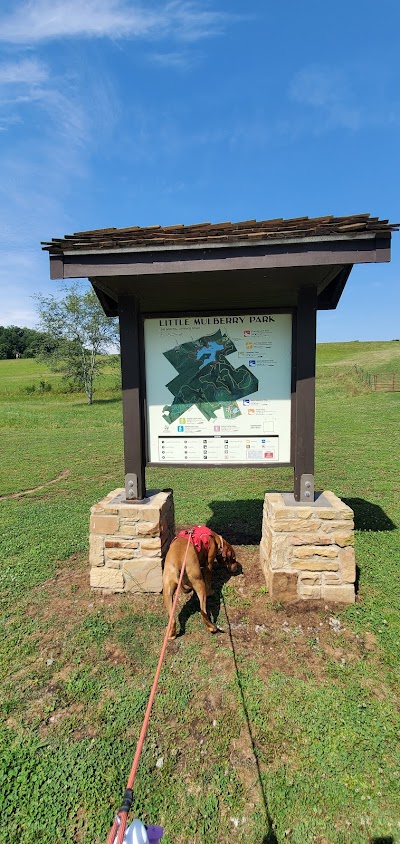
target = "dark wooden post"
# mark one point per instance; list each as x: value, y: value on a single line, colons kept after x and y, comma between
x: 304, y: 421
x: 132, y: 397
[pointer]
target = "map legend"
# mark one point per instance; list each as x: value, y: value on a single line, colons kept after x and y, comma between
x: 218, y: 449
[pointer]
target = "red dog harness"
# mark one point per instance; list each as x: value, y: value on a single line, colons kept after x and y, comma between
x: 199, y: 537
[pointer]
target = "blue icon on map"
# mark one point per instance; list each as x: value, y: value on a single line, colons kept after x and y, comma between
x: 246, y: 401
x: 181, y: 428
x: 252, y: 363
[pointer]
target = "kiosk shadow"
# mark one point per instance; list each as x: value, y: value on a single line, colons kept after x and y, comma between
x: 239, y: 521
x: 385, y: 839
x: 369, y: 516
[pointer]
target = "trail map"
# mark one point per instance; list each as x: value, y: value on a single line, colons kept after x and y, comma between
x: 218, y: 388
x: 207, y: 379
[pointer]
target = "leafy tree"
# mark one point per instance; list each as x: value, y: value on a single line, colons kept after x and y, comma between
x: 19, y: 342
x: 77, y: 332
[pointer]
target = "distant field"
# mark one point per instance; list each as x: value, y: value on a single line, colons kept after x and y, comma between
x: 373, y: 357
x: 283, y: 728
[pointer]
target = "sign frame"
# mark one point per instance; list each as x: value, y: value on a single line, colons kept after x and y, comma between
x: 215, y: 312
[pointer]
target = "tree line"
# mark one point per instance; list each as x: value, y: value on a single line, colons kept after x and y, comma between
x: 16, y: 342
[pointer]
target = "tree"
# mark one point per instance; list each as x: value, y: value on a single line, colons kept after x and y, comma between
x: 77, y: 332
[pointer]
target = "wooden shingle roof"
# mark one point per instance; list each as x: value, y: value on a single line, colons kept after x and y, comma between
x: 247, y: 231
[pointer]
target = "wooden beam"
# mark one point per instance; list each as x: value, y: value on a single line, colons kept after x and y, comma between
x: 307, y: 254
x: 304, y: 421
x: 132, y: 398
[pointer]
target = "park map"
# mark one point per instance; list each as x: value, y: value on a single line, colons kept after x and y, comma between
x: 206, y: 378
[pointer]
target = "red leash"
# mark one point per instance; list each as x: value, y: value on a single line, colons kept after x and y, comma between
x: 120, y: 821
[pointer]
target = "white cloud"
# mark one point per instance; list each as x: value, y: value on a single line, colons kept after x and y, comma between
x: 26, y: 71
x: 36, y: 21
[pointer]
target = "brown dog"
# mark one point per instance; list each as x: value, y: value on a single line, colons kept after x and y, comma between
x: 202, y: 548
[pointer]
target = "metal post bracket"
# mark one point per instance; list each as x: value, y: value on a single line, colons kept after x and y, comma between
x: 307, y: 488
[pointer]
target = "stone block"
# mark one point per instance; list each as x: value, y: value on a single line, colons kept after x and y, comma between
x: 283, y: 512
x: 128, y: 527
x: 104, y: 524
x: 326, y: 513
x: 119, y: 554
x: 142, y: 575
x: 307, y: 592
x: 343, y: 538
x: 310, y: 539
x: 341, y: 594
x: 315, y: 564
x: 336, y: 524
x: 337, y: 503
x: 112, y: 564
x: 293, y: 525
x: 106, y: 578
x: 347, y: 564
x: 151, y: 544
x: 315, y: 550
x: 331, y: 578
x: 153, y: 553
x: 283, y: 585
x: 145, y: 528
x: 121, y: 543
x: 309, y: 578
x: 96, y: 549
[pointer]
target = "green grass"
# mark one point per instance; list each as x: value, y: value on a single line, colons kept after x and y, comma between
x: 255, y: 749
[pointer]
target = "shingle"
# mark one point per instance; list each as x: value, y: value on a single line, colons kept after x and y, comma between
x: 252, y: 230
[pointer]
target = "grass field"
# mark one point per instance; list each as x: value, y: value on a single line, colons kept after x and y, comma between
x: 283, y: 728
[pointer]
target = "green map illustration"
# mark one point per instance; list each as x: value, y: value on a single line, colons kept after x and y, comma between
x: 206, y: 378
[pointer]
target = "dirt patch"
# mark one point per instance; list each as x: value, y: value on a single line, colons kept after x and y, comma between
x: 301, y: 640
x: 295, y: 638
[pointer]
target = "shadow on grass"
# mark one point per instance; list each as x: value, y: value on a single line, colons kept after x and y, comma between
x: 239, y: 521
x: 369, y: 516
x: 219, y: 577
x: 269, y: 837
x: 113, y: 400
x: 387, y: 839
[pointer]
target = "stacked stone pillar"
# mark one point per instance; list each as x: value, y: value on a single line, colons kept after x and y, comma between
x: 307, y: 550
x: 129, y: 540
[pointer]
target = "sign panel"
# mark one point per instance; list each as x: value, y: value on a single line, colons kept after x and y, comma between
x: 219, y: 388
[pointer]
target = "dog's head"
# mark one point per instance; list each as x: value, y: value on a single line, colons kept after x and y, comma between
x: 226, y: 555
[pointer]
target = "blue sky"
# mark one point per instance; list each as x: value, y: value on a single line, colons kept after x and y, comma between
x: 117, y: 113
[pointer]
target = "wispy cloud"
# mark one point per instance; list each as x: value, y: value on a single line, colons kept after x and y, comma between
x: 329, y: 92
x: 37, y: 21
x: 26, y: 72
x: 175, y: 60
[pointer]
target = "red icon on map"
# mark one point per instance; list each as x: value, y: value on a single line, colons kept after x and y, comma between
x: 246, y: 333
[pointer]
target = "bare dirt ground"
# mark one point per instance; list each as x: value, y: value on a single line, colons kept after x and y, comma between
x: 294, y: 638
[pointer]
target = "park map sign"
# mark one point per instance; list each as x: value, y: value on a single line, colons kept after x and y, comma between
x: 218, y: 389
